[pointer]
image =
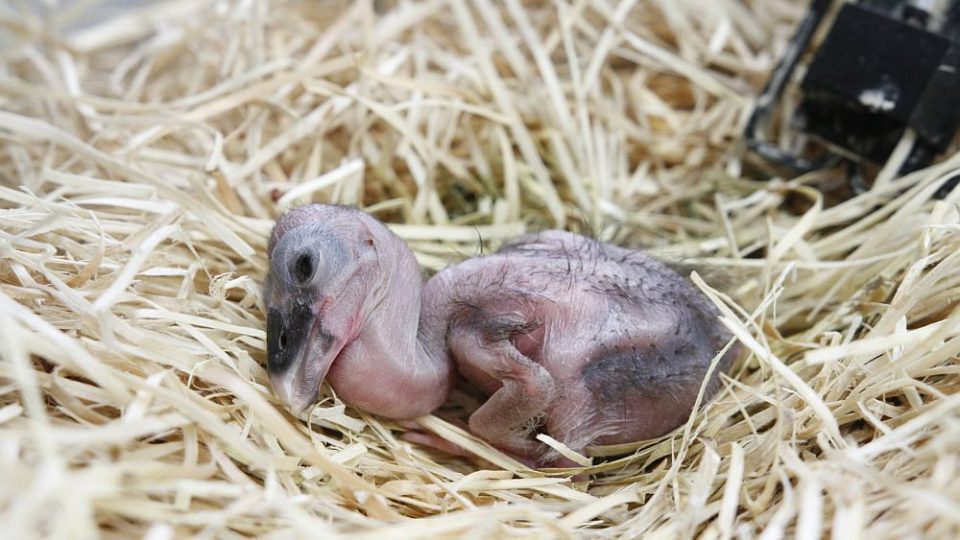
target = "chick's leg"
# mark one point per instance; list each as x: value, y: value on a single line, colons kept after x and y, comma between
x: 526, y: 388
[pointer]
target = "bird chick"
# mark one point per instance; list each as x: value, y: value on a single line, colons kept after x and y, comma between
x: 585, y: 341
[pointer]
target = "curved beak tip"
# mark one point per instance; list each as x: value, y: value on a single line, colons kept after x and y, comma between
x: 297, y: 409
x: 283, y: 387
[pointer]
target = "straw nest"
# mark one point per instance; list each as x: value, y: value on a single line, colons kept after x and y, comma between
x: 144, y: 160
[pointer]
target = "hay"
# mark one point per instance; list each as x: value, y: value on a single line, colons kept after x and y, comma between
x: 144, y: 159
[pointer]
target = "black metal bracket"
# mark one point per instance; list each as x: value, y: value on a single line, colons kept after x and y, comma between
x: 883, y: 67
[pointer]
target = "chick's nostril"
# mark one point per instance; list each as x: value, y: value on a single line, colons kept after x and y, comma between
x: 279, y: 339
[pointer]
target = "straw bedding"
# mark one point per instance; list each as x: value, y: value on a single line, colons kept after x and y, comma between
x: 144, y: 159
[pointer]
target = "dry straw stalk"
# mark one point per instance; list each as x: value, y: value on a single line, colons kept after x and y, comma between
x: 144, y: 158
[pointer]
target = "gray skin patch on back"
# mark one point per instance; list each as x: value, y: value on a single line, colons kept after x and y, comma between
x: 616, y: 375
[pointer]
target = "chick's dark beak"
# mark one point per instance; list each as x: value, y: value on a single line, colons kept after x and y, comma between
x: 294, y: 374
x: 286, y: 336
